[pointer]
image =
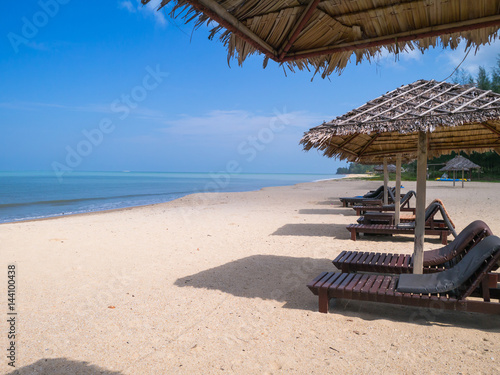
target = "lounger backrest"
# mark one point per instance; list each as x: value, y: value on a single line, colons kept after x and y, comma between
x: 380, y: 194
x: 454, y: 279
x: 374, y: 193
x: 431, y: 210
x: 447, y: 220
x: 444, y: 212
x: 452, y: 253
x: 407, y: 197
x: 435, y: 206
x: 391, y: 192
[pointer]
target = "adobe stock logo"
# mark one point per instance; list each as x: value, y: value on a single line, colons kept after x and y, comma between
x: 30, y: 28
x: 122, y: 107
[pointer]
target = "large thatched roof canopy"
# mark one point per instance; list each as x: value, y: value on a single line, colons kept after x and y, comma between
x: 455, y: 117
x: 459, y: 163
x: 324, y: 34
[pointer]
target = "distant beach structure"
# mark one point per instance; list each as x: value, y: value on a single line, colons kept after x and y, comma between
x: 459, y: 163
x: 391, y: 168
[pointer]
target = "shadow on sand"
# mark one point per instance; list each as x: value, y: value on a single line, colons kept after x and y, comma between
x: 267, y: 277
x: 373, y: 311
x: 60, y: 366
x: 284, y: 279
x: 333, y: 202
x: 327, y: 211
x: 326, y: 230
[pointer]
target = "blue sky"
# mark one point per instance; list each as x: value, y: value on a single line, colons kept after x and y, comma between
x: 114, y: 86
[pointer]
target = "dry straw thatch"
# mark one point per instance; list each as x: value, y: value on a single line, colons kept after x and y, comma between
x: 325, y: 34
x: 391, y: 168
x: 459, y: 163
x: 455, y: 117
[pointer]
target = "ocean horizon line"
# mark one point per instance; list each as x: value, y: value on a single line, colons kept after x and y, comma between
x: 36, y: 195
x: 171, y: 172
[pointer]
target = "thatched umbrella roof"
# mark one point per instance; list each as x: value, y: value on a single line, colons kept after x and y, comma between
x: 455, y: 117
x: 324, y: 35
x: 419, y: 120
x: 391, y: 168
x: 459, y: 163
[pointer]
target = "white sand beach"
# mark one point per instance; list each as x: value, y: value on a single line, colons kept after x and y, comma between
x: 216, y: 283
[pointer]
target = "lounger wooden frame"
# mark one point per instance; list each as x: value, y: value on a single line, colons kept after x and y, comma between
x: 434, y: 260
x: 382, y: 288
x: 367, y: 201
x: 404, y: 206
x: 432, y: 226
x: 360, y: 210
x: 434, y: 207
x: 355, y: 229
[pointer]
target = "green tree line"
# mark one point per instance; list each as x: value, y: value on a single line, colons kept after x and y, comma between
x: 355, y: 168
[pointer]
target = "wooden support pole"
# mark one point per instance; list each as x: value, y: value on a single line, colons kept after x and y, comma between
x: 418, y: 251
x: 386, y: 182
x: 462, y: 178
x: 454, y: 177
x: 398, y: 190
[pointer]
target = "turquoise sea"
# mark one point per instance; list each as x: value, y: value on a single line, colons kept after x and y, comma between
x: 35, y: 195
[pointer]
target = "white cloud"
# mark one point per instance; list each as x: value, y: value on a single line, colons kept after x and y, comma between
x: 241, y: 123
x: 446, y: 59
x: 127, y: 5
x: 485, y: 56
x: 139, y: 112
x: 389, y: 60
x: 148, y: 10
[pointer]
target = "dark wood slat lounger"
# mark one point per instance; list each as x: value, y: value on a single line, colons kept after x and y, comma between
x: 404, y: 205
x: 360, y: 210
x: 361, y: 201
x: 434, y: 260
x: 442, y: 228
x: 443, y: 233
x: 477, y: 282
x: 383, y: 218
x: 377, y: 217
x: 376, y: 200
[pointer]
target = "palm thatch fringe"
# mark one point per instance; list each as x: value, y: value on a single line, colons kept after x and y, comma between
x: 324, y: 36
x: 456, y: 117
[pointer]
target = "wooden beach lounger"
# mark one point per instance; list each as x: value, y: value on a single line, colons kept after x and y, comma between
x: 443, y: 233
x: 374, y: 200
x: 451, y: 289
x: 442, y: 228
x: 404, y: 205
x: 434, y: 260
x: 373, y: 193
x: 378, y: 217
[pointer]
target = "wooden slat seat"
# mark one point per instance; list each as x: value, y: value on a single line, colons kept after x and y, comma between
x: 479, y: 282
x: 360, y: 209
x: 434, y: 260
x: 443, y: 233
x: 404, y: 205
x: 379, y: 217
